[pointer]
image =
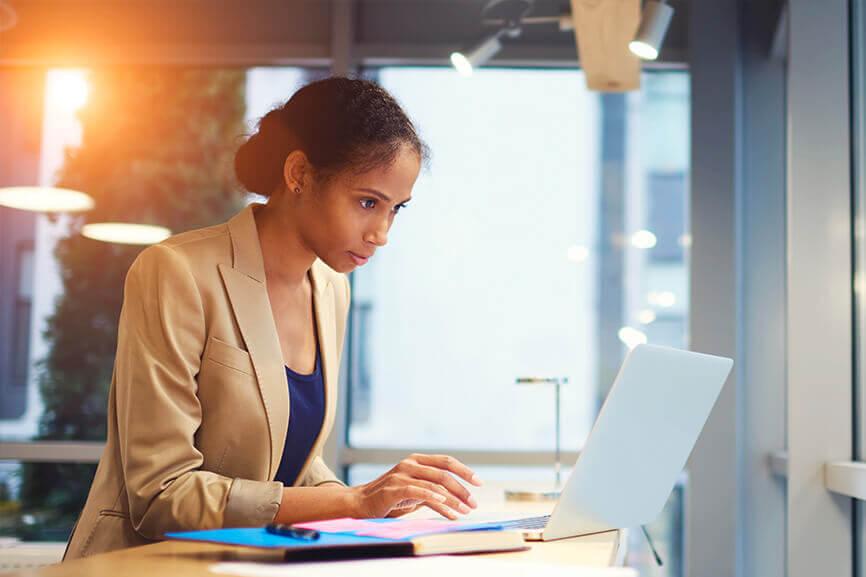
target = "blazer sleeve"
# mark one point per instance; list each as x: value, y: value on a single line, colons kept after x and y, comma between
x: 161, y: 337
x: 319, y: 473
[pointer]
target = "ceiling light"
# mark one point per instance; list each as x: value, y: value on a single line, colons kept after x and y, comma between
x: 643, y: 239
x: 125, y: 233
x: 655, y: 19
x: 631, y: 337
x: 663, y: 299
x: 646, y: 316
x: 507, y: 16
x: 461, y: 64
x: 45, y: 199
x: 466, y: 61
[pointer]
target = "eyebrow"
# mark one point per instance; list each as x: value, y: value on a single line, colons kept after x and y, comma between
x: 381, y: 195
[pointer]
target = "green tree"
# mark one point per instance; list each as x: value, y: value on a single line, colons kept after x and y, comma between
x: 157, y: 148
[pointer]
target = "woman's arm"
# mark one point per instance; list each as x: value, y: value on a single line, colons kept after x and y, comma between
x: 327, y: 501
x: 427, y: 480
x: 160, y: 340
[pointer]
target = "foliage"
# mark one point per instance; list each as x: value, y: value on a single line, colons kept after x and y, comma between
x: 157, y: 147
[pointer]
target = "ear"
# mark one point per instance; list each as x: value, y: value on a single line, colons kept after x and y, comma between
x: 296, y: 171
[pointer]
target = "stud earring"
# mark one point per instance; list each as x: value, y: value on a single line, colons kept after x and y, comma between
x: 297, y: 190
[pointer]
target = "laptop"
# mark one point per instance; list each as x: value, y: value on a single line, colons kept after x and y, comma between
x: 638, y: 446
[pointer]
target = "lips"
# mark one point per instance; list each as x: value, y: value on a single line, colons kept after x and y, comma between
x: 358, y: 259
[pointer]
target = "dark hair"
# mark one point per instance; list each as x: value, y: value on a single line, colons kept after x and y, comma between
x: 339, y: 123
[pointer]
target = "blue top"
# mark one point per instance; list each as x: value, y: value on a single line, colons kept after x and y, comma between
x: 306, y: 414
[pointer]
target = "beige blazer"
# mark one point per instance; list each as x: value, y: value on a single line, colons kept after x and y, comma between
x: 199, y: 406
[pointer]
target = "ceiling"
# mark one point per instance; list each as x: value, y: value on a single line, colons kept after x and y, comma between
x: 274, y: 32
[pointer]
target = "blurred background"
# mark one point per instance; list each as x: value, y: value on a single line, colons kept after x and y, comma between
x: 579, y: 201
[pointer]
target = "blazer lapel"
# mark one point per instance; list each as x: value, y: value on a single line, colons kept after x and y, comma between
x: 323, y: 303
x: 245, y: 285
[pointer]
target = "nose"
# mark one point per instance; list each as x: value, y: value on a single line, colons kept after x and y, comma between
x: 378, y: 236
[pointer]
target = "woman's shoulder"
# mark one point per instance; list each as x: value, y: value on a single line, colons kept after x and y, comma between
x: 208, y: 238
x: 197, y: 251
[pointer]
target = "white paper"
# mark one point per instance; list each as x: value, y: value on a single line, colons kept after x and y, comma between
x: 441, y: 566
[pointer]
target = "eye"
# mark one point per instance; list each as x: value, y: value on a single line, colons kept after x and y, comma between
x: 400, y: 207
x: 368, y: 203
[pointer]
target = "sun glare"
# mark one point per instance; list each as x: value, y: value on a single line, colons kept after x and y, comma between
x: 67, y: 88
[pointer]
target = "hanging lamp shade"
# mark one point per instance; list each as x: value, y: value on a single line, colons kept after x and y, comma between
x: 45, y: 199
x: 125, y: 233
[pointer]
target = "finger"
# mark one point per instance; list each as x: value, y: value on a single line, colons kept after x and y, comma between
x: 430, y: 498
x: 444, y: 479
x: 451, y: 500
x: 401, y: 512
x: 449, y: 463
x: 406, y: 504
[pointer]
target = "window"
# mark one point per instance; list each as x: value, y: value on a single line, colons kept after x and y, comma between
x: 549, y: 234
x: 475, y: 287
x: 16, y: 265
x: 495, y: 269
x: 21, y: 324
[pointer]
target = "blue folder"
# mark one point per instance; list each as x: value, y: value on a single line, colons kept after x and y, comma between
x: 348, y: 542
x: 259, y: 537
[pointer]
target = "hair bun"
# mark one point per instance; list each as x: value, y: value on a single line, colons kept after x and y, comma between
x: 338, y: 123
x: 259, y: 160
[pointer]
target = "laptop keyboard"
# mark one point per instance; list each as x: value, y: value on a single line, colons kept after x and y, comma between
x: 527, y: 523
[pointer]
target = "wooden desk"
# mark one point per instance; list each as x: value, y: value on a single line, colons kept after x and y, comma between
x: 188, y: 559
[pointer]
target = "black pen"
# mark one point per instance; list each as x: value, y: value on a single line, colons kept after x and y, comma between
x: 291, y: 531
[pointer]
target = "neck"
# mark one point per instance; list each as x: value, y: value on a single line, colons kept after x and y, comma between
x: 287, y: 259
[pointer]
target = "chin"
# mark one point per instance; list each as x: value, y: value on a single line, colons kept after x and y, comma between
x: 341, y: 267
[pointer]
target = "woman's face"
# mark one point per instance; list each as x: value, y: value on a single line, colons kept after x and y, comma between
x: 345, y: 220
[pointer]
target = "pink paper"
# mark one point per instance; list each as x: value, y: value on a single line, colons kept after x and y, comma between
x: 408, y: 528
x: 391, y: 529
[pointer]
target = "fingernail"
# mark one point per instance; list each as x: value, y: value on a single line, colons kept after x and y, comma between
x: 472, y: 501
x: 464, y: 509
x: 476, y: 480
x: 441, y: 498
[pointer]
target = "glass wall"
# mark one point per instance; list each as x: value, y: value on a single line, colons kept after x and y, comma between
x: 548, y: 236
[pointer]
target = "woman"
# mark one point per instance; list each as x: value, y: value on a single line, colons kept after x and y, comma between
x: 225, y: 379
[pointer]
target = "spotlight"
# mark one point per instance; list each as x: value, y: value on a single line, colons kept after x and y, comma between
x: 466, y: 61
x: 654, y: 24
x: 631, y: 337
x: 507, y: 16
x: 643, y: 239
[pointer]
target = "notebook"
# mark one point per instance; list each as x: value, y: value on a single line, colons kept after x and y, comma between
x: 380, y: 538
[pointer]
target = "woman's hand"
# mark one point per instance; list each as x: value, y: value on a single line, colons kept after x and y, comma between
x: 419, y: 480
